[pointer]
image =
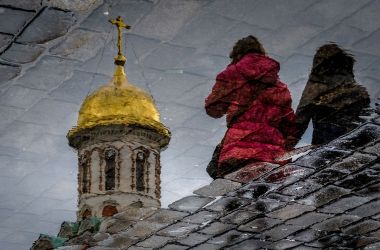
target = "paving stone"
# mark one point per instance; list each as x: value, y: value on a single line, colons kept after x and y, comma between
x: 227, y: 204
x: 77, y: 88
x: 373, y: 149
x: 279, y: 197
x: 154, y: 241
x: 304, y: 248
x: 365, y: 241
x: 131, y: 11
x: 360, y: 18
x: 120, y: 240
x: 359, y: 137
x: 157, y: 24
x: 360, y: 179
x: 203, y: 29
x: 263, y: 15
x: 166, y: 216
x: 48, y: 73
x: 336, y: 223
x: 283, y: 244
x: 173, y: 247
x: 372, y: 246
x: 265, y: 205
x: 193, y: 239
x: 368, y: 209
x: 21, y: 97
x: 249, y: 245
x: 135, y: 213
x: 253, y: 191
x: 201, y: 217
x: 23, y: 4
x: 372, y: 191
x: 159, y: 58
x: 344, y: 204
x: 259, y: 225
x: 281, y: 231
x: 321, y: 157
x: 8, y: 72
x: 216, y: 228
x: 362, y: 227
x: 206, y: 246
x: 144, y: 228
x: 22, y: 53
x: 204, y: 64
x: 353, y: 162
x: 287, y: 174
x: 20, y: 135
x: 229, y: 238
x: 308, y: 219
x: 250, y: 172
x: 178, y: 230
x: 190, y: 203
x: 308, y: 235
x: 76, y: 5
x: 8, y: 115
x: 217, y: 188
x: 51, y: 24
x: 290, y: 211
x: 112, y: 225
x: 296, y: 67
x: 301, y: 188
x: 11, y: 20
x: 366, y: 45
x: 341, y: 33
x: 328, y: 176
x: 4, y: 41
x: 324, y: 196
x: 240, y: 216
x: 80, y: 45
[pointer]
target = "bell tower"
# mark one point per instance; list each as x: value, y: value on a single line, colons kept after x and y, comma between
x: 119, y: 138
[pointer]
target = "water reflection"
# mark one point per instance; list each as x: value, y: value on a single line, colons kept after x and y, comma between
x: 260, y: 119
x: 332, y: 99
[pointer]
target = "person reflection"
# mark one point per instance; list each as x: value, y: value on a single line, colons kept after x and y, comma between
x: 258, y: 107
x: 332, y: 99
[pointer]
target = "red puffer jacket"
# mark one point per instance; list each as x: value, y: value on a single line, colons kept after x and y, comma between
x: 258, y: 108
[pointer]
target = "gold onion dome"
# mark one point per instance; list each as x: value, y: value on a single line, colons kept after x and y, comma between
x: 119, y: 103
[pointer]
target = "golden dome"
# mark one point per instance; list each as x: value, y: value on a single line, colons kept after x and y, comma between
x: 119, y: 103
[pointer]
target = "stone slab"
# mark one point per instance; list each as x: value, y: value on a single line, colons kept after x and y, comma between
x: 23, y: 4
x: 4, y: 41
x: 22, y: 53
x: 290, y: 211
x: 8, y: 72
x: 324, y: 196
x: 217, y: 188
x: 190, y: 203
x: 12, y: 21
x: 250, y: 172
x: 179, y: 229
x: 51, y: 24
x: 230, y: 238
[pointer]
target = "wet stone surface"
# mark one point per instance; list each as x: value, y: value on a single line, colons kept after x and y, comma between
x: 22, y: 53
x: 253, y: 190
x: 240, y: 216
x: 321, y: 157
x: 229, y: 238
x: 308, y: 235
x: 251, y: 172
x: 51, y: 24
x: 368, y: 209
x: 216, y: 228
x: 359, y: 180
x: 12, y: 20
x: 287, y: 174
x: 194, y: 239
x: 190, y: 204
x: 308, y: 219
x: 250, y: 244
x: 353, y: 162
x: 8, y: 72
x: 201, y: 217
x: 259, y: 225
x: 227, y: 204
x: 362, y: 136
x: 344, y: 204
x: 362, y: 227
x: 281, y: 231
x: 178, y: 229
x: 301, y: 188
x: 324, y: 196
x: 283, y: 244
x: 336, y: 223
x: 290, y: 211
x: 373, y: 149
x: 327, y: 176
x: 217, y: 188
x: 154, y: 241
x: 4, y: 41
x: 372, y: 190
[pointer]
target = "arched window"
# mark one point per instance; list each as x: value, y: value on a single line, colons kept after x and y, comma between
x: 86, y: 214
x: 140, y: 170
x: 85, y: 166
x: 110, y: 169
x: 109, y: 210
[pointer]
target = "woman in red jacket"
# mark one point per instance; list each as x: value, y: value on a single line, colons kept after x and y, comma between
x: 260, y: 120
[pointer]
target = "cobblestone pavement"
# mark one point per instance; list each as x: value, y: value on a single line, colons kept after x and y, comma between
x: 50, y: 59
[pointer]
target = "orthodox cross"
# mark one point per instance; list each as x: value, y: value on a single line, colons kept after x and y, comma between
x: 119, y: 22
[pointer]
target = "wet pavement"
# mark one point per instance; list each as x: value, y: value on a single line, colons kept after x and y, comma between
x: 52, y: 58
